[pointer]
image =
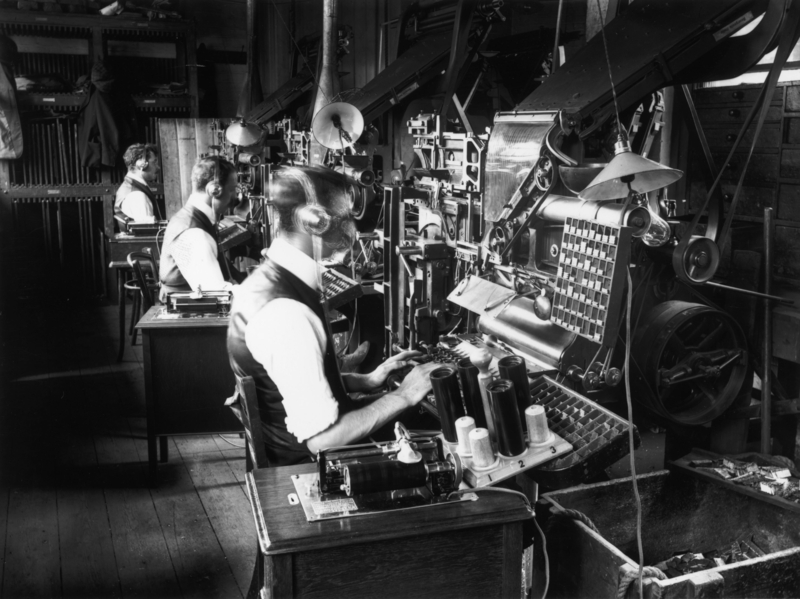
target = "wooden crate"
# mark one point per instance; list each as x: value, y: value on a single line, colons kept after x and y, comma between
x: 680, y: 513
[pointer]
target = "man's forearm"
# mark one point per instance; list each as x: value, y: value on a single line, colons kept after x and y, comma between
x: 360, y: 423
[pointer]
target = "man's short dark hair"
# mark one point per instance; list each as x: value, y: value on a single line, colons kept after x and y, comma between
x: 211, y: 168
x: 138, y: 152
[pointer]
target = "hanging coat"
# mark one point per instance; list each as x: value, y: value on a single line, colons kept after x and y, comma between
x: 98, y: 135
x: 10, y: 126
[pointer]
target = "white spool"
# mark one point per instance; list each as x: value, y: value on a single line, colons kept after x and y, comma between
x: 482, y: 455
x: 464, y: 426
x: 538, y: 432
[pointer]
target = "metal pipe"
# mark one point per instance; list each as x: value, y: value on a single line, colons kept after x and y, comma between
x: 775, y: 298
x: 766, y: 381
x: 381, y: 42
x: 556, y: 53
x: 91, y: 245
x: 328, y: 76
x: 60, y: 233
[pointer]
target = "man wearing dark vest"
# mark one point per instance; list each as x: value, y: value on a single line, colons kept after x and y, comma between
x: 278, y: 332
x: 190, y: 257
x: 135, y: 201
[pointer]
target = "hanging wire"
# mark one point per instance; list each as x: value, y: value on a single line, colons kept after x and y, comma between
x: 310, y: 70
x: 608, y: 62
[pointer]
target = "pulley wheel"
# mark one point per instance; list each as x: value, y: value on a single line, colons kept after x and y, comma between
x: 688, y: 362
x: 698, y: 262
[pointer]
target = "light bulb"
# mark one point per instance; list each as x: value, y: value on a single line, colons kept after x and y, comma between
x: 658, y: 233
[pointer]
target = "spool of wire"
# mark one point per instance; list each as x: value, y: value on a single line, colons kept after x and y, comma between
x: 510, y: 439
x: 538, y: 431
x: 385, y: 475
x: 468, y: 375
x: 481, y: 445
x: 444, y: 381
x: 464, y: 426
x: 514, y: 369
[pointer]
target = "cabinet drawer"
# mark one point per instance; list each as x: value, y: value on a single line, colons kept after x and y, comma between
x: 770, y: 136
x: 735, y: 114
x: 789, y: 202
x: 790, y: 164
x: 762, y: 170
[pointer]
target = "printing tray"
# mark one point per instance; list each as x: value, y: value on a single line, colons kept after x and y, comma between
x: 599, y: 437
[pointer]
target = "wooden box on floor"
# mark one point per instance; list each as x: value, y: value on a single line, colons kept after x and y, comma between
x: 680, y: 513
x: 463, y: 549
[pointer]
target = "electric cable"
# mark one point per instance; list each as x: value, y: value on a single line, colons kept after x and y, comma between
x: 529, y: 507
x: 231, y: 442
x: 608, y: 62
x: 630, y: 434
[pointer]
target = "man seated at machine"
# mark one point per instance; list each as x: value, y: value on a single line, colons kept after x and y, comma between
x: 135, y: 201
x: 278, y: 332
x: 191, y: 259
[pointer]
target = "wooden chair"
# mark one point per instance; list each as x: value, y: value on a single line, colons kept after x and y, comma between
x: 255, y: 457
x: 143, y: 287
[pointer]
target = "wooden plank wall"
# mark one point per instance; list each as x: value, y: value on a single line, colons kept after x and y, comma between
x: 182, y: 141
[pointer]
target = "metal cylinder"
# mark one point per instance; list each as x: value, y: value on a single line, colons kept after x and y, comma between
x: 508, y: 428
x: 558, y: 208
x: 468, y: 375
x: 384, y: 475
x: 448, y: 400
x: 515, y: 370
x: 249, y: 158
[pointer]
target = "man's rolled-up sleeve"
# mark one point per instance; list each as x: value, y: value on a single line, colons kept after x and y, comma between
x: 288, y: 339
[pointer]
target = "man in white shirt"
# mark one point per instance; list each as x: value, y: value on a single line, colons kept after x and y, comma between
x: 278, y: 333
x: 135, y: 201
x: 190, y: 258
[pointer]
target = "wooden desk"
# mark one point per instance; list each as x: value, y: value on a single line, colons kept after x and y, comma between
x: 118, y: 249
x: 465, y: 549
x: 187, y: 378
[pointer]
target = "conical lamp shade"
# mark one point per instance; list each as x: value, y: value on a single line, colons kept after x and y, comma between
x: 242, y: 133
x: 626, y: 168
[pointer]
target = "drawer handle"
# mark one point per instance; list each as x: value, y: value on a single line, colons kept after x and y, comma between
x: 738, y: 95
x: 734, y: 112
x: 730, y: 137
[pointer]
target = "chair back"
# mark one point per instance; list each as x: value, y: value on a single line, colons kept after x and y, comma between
x: 256, y: 453
x: 138, y: 261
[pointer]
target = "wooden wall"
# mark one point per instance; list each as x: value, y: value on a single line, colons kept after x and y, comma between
x: 182, y: 140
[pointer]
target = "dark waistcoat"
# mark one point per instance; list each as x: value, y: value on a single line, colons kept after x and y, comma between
x: 269, y: 282
x: 128, y: 186
x: 184, y: 219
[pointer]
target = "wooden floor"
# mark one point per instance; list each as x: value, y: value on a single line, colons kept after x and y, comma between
x: 77, y: 518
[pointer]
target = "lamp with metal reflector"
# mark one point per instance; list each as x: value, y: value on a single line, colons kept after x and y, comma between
x: 337, y: 125
x: 243, y: 134
x: 629, y: 172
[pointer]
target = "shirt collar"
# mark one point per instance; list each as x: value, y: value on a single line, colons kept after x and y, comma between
x: 196, y: 200
x: 298, y: 263
x: 138, y: 177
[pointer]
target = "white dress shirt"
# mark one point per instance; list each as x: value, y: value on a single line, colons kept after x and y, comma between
x: 195, y: 253
x: 136, y: 204
x: 289, y: 341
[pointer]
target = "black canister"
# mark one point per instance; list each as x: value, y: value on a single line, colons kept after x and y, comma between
x: 514, y: 369
x: 444, y: 381
x: 468, y: 375
x: 508, y: 427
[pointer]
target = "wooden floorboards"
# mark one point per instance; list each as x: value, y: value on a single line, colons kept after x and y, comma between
x: 77, y: 518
